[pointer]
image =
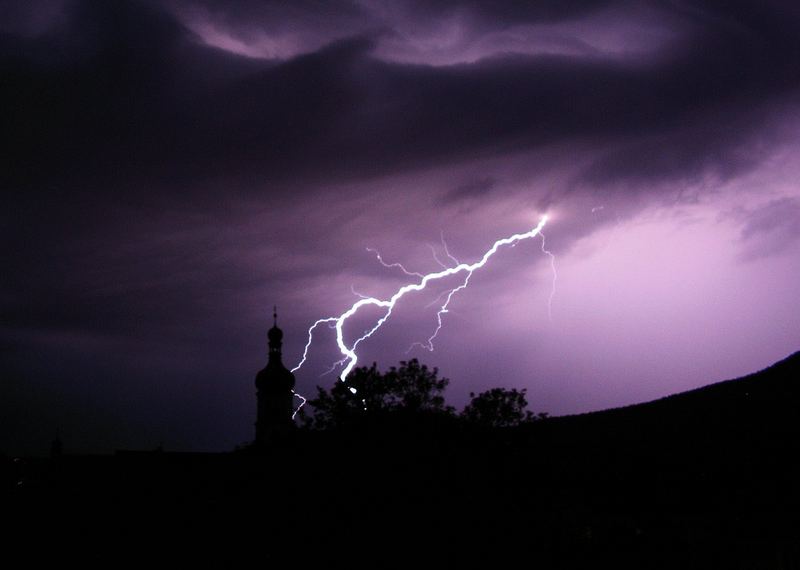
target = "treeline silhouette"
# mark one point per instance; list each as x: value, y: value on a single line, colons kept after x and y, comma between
x: 410, y: 391
x: 705, y: 479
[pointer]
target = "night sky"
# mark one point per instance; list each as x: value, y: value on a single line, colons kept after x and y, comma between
x: 170, y: 170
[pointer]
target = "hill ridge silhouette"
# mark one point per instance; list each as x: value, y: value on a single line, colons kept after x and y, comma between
x: 706, y: 478
x: 776, y: 378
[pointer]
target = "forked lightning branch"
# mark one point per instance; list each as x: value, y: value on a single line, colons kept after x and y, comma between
x: 348, y: 351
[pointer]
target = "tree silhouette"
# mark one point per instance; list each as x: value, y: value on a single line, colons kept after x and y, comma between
x: 411, y: 388
x: 499, y: 407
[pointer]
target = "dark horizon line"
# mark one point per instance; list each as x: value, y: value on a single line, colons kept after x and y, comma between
x: 595, y: 413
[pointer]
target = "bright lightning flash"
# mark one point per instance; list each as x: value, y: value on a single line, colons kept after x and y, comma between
x: 350, y: 358
x: 303, y: 401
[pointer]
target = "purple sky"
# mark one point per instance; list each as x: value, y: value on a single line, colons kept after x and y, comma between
x: 175, y: 168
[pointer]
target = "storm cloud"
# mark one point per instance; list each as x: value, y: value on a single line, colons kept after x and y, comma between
x: 172, y: 168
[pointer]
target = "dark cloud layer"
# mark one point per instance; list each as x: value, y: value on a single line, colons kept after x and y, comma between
x: 123, y: 93
x: 138, y: 135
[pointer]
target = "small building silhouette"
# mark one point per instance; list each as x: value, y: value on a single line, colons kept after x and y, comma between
x: 274, y: 384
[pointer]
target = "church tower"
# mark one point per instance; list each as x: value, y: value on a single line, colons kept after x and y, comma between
x: 274, y: 386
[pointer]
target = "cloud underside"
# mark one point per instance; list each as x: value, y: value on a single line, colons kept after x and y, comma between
x: 172, y: 168
x: 112, y: 97
x: 116, y: 111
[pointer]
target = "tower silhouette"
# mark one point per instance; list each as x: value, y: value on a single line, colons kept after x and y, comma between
x: 274, y: 384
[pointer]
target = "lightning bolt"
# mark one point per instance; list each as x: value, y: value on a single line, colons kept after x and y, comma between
x: 357, y: 294
x: 447, y: 251
x: 303, y: 401
x: 448, y: 295
x: 555, y: 278
x: 442, y: 310
x: 436, y: 257
x: 393, y: 265
x: 350, y: 357
x: 311, y: 337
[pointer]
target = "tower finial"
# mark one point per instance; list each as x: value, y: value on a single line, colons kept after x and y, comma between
x: 275, y: 315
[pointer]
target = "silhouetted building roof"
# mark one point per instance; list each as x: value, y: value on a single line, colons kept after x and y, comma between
x: 274, y: 384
